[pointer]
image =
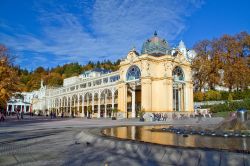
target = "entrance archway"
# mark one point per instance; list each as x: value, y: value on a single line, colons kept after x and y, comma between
x: 178, y: 89
x: 106, y: 103
x: 133, y: 99
x: 87, y: 104
x: 133, y: 77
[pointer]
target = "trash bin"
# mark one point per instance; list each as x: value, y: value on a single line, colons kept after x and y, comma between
x: 242, y: 114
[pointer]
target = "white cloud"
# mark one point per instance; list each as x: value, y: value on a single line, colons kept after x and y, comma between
x: 106, y: 30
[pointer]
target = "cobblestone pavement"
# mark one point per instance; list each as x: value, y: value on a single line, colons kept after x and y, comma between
x: 42, y: 141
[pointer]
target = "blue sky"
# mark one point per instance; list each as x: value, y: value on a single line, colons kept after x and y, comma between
x: 50, y: 33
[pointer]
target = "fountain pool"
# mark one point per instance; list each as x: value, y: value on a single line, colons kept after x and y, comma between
x: 160, y: 135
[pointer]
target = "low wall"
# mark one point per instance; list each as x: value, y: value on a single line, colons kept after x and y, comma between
x: 211, y: 102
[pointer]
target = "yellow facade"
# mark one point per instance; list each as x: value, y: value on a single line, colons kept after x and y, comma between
x: 156, y: 82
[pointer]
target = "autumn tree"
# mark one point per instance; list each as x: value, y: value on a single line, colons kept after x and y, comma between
x: 205, y: 65
x: 53, y: 79
x: 9, y: 79
x: 72, y: 69
x: 234, y: 59
x: 223, y: 61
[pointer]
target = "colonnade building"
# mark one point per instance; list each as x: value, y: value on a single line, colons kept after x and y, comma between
x: 157, y: 80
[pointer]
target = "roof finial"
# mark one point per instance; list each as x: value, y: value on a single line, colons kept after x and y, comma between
x: 155, y: 34
x: 133, y: 48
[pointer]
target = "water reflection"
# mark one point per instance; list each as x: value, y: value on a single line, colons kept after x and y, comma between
x: 144, y: 133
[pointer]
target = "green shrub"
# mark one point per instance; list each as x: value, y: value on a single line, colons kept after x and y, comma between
x: 198, y: 96
x: 212, y: 95
x: 219, y: 108
x: 231, y: 106
x: 237, y: 95
x: 224, y: 95
x: 221, y: 95
x: 114, y: 112
x: 205, y: 106
x: 246, y: 94
x: 230, y: 97
x: 141, y: 112
x: 247, y: 103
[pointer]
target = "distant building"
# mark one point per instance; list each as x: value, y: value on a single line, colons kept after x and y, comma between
x: 29, y: 101
x: 18, y: 105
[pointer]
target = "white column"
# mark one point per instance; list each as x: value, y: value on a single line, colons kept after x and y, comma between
x: 70, y: 106
x: 113, y: 99
x: 74, y: 106
x: 133, y: 132
x: 7, y: 108
x: 179, y: 99
x: 57, y: 105
x: 87, y: 106
x: 93, y: 105
x: 186, y: 97
x: 78, y: 102
x: 105, y: 106
x: 112, y: 131
x: 133, y: 103
x: 99, y: 104
x: 48, y: 103
x: 12, y: 108
x: 51, y: 104
x: 66, y: 106
x: 25, y: 108
x: 61, y: 107
x: 83, y: 115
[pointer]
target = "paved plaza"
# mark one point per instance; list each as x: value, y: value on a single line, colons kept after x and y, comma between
x: 45, y: 141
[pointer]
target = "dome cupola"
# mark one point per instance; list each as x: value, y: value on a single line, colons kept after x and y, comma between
x: 155, y: 46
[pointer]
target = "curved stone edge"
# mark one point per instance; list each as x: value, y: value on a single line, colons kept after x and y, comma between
x: 161, y: 153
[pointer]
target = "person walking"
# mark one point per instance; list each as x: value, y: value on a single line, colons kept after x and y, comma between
x: 1, y: 117
x: 54, y: 115
x: 22, y: 114
x: 17, y: 114
x: 199, y: 118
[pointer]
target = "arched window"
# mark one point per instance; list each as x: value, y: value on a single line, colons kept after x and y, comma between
x: 178, y: 74
x: 133, y: 73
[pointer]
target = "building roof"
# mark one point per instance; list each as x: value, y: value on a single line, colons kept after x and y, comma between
x: 17, y: 102
x: 99, y: 70
x: 155, y: 46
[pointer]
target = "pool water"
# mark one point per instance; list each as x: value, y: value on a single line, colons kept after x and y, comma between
x: 145, y: 133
